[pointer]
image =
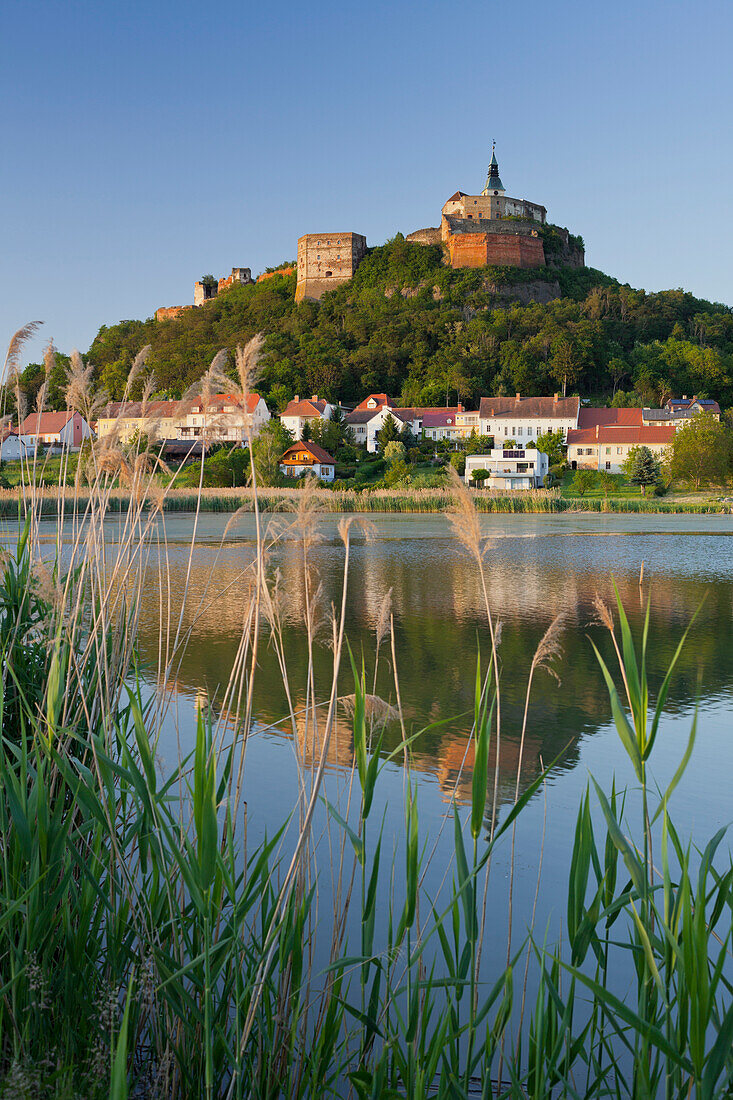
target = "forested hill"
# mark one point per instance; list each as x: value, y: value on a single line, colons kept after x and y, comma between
x: 409, y: 326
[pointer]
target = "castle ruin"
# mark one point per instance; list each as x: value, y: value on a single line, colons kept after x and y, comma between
x: 205, y: 290
x: 326, y: 260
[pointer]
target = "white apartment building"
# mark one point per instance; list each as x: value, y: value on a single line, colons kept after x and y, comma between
x: 524, y: 418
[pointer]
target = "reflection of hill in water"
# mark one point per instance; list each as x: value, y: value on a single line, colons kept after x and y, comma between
x: 437, y: 605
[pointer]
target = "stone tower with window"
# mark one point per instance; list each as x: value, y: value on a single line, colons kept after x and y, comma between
x: 326, y: 260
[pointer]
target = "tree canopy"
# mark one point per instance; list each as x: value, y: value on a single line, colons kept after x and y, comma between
x: 410, y: 326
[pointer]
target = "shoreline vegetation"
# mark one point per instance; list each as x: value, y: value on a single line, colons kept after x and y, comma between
x: 49, y: 501
x: 150, y: 949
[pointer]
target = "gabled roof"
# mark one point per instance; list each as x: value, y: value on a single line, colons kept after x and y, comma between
x: 439, y: 418
x: 538, y: 408
x: 619, y: 434
x: 380, y: 398
x: 589, y: 417
x: 458, y: 195
x: 362, y: 416
x: 217, y: 402
x: 313, y: 449
x: 305, y: 408
x: 687, y: 403
x: 46, y: 423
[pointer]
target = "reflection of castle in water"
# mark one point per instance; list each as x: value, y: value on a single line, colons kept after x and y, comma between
x: 439, y: 619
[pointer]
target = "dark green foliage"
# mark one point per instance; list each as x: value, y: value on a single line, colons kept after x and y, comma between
x: 450, y: 333
x: 642, y: 467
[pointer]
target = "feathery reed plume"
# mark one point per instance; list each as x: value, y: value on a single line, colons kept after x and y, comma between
x: 17, y: 340
x: 381, y: 626
x: 550, y: 647
x: 80, y: 394
x: 138, y: 365
x: 464, y: 518
x: 148, y: 391
x: 49, y: 359
x: 246, y: 361
x: 603, y: 613
x: 375, y: 708
x: 41, y: 396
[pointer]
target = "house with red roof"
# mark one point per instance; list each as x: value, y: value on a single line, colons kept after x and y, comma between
x: 66, y: 429
x: 604, y: 437
x: 679, y: 410
x: 307, y: 458
x: 223, y: 418
x: 299, y: 412
x: 375, y: 401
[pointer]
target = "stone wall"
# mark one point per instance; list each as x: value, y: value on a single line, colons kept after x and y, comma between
x: 425, y: 236
x: 326, y: 260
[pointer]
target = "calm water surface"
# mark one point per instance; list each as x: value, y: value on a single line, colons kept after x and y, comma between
x: 538, y: 567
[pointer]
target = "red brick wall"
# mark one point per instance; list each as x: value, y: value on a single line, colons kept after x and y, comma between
x: 501, y: 249
x: 166, y: 313
x: 269, y: 274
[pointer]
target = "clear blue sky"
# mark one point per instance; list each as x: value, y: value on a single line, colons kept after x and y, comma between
x: 146, y: 144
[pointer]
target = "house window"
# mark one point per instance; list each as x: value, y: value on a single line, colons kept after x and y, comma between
x: 519, y: 431
x: 608, y: 450
x: 608, y: 465
x: 529, y: 431
x: 619, y: 450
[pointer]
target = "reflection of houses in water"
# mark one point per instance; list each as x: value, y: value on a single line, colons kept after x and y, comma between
x: 311, y: 733
x: 455, y: 760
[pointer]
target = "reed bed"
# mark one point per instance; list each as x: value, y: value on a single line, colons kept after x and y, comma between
x: 49, y: 500
x: 146, y: 950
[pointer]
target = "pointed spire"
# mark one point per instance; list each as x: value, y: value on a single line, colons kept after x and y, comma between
x: 493, y: 182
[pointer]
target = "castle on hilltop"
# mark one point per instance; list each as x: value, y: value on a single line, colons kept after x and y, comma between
x: 490, y: 228
x: 493, y: 228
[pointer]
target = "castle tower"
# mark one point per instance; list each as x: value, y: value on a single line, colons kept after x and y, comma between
x: 494, y: 186
x: 327, y: 260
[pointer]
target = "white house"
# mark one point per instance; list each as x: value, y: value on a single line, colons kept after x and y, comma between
x: 307, y: 458
x: 12, y: 447
x: 509, y: 468
x: 365, y: 423
x: 298, y: 413
x: 55, y: 429
x: 524, y: 418
x: 223, y: 418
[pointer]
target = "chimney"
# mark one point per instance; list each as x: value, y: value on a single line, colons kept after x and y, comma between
x: 555, y: 397
x: 460, y: 407
x: 519, y: 397
x: 314, y: 397
x: 596, y: 431
x: 297, y: 397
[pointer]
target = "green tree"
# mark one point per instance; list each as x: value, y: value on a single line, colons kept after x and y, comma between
x: 306, y: 432
x: 458, y: 462
x: 584, y: 481
x: 641, y: 467
x: 565, y: 365
x: 395, y: 451
x: 480, y: 476
x: 553, y: 445
x: 700, y: 452
x: 272, y: 440
x: 388, y: 433
x: 606, y: 481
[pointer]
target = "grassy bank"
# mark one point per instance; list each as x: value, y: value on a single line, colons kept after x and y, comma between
x: 49, y: 501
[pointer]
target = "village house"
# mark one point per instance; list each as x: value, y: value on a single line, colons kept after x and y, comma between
x: 604, y: 437
x: 223, y: 418
x: 155, y: 419
x: 509, y: 468
x: 66, y: 429
x: 12, y: 447
x: 307, y: 458
x: 524, y: 418
x: 299, y: 413
x: 439, y: 424
x: 678, y: 410
x: 365, y: 423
